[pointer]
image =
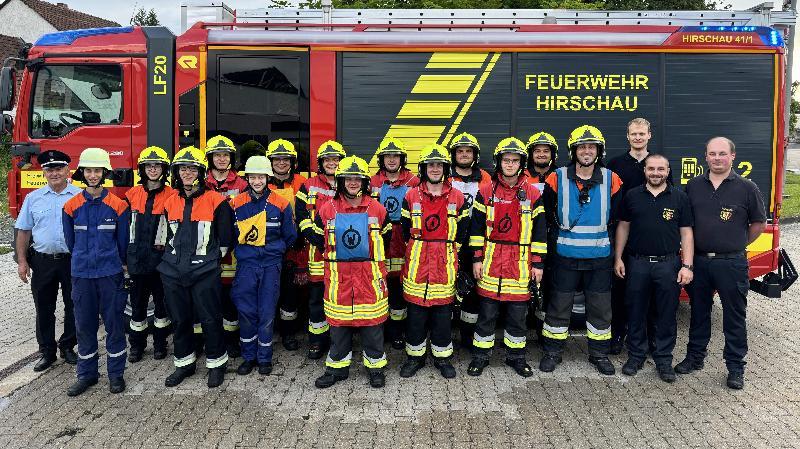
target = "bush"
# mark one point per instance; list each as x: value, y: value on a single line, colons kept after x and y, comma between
x: 791, y: 192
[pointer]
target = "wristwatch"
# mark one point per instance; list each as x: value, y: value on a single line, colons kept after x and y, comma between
x: 689, y: 267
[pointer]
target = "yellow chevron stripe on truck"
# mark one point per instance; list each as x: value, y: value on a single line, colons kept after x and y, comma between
x: 438, y: 102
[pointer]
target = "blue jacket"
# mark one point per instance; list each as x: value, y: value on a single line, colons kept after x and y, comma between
x: 96, y: 233
x: 265, y: 229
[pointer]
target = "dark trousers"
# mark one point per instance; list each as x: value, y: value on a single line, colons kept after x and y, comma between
x: 255, y: 293
x: 106, y: 297
x: 730, y: 278
x: 142, y: 287
x: 397, y: 309
x: 652, y: 285
x: 436, y: 318
x: 569, y: 275
x: 199, y: 301
x: 230, y: 315
x: 47, y: 275
x: 341, y: 353
x: 514, y: 334
x: 318, y: 328
x: 619, y: 309
x: 288, y: 301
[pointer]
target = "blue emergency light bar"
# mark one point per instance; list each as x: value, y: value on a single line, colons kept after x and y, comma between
x: 68, y: 37
x: 768, y: 35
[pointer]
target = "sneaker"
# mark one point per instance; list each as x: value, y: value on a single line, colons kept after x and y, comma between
x: 179, y: 375
x: 265, y: 369
x: 445, y: 368
x: 476, y: 367
x: 246, y: 367
x: 735, y: 381
x: 216, y: 376
x: 666, y: 373
x: 632, y: 366
x: 688, y: 365
x: 329, y: 379
x: 80, y: 386
x: 548, y: 362
x: 116, y: 385
x: 376, y: 378
x: 135, y: 354
x: 411, y: 366
x: 603, y: 365
x: 521, y: 367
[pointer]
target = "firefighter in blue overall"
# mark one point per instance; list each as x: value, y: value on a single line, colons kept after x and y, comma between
x: 315, y: 191
x: 264, y: 229
x: 96, y: 231
x: 196, y: 232
x: 580, y: 195
x: 389, y: 186
x: 147, y: 205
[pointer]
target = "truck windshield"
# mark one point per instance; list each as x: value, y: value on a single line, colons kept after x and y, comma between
x: 70, y: 96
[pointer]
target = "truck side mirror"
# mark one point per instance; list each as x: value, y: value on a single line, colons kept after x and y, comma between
x: 8, y: 84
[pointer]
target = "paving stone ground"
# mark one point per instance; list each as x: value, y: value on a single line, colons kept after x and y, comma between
x: 573, y: 407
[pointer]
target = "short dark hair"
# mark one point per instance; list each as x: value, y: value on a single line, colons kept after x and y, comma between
x: 655, y: 156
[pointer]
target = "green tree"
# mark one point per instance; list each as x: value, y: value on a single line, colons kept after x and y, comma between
x: 794, y: 110
x: 145, y: 18
x: 666, y: 5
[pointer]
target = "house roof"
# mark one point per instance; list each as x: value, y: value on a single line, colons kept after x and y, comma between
x: 62, y: 18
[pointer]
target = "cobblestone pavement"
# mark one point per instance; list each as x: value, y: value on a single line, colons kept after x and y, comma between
x: 573, y: 407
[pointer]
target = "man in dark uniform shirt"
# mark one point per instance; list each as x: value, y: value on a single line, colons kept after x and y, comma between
x: 729, y: 214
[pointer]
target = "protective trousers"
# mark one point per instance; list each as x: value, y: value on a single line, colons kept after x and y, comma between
x: 652, y: 285
x: 201, y: 301
x: 729, y: 277
x: 287, y: 302
x: 318, y: 328
x: 47, y: 275
x: 255, y: 293
x: 142, y: 287
x: 341, y: 352
x: 104, y: 296
x: 230, y: 317
x: 569, y: 274
x: 397, y: 309
x: 436, y: 318
x: 514, y: 335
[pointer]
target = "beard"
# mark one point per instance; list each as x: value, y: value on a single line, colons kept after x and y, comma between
x: 656, y: 182
x: 542, y: 165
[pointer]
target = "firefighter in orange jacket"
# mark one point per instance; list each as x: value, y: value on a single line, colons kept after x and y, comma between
x: 222, y: 178
x: 467, y: 177
x: 313, y: 193
x: 147, y: 206
x: 286, y: 182
x: 196, y: 232
x: 435, y: 219
x: 508, y: 239
x: 353, y: 230
x: 389, y: 186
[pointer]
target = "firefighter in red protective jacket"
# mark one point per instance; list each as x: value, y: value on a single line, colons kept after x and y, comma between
x: 286, y: 182
x: 147, y: 205
x: 222, y: 178
x: 314, y: 192
x: 467, y: 177
x: 435, y: 219
x: 353, y: 229
x: 508, y: 239
x: 389, y: 186
x: 197, y: 232
x: 264, y: 229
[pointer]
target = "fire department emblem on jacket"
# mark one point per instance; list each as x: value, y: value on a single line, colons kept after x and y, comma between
x: 391, y: 205
x: 725, y: 213
x: 505, y: 224
x: 668, y: 214
x: 351, y: 238
x: 432, y: 223
x: 252, y: 235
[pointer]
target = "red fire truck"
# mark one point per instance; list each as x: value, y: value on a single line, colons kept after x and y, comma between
x: 125, y: 88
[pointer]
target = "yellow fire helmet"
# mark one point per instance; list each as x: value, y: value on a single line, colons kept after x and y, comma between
x: 281, y: 148
x: 353, y: 166
x: 510, y: 145
x: 257, y: 165
x: 433, y: 153
x: 330, y: 148
x: 466, y: 140
x: 190, y: 156
x: 587, y: 134
x: 153, y: 155
x: 219, y: 144
x: 543, y: 138
x: 93, y: 158
x: 390, y: 145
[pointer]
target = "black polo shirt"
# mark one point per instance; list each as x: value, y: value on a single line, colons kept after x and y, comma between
x: 723, y: 216
x: 655, y: 220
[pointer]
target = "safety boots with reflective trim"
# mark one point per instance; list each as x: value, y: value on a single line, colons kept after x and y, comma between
x: 216, y: 376
x: 329, y: 379
x: 521, y: 367
x: 476, y: 367
x: 548, y: 362
x: 376, y: 378
x: 445, y: 367
x: 179, y: 375
x: 603, y: 365
x: 411, y: 366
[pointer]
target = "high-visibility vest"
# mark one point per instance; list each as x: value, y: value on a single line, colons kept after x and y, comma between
x: 583, y: 226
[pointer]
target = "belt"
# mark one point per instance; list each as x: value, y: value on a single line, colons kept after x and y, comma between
x: 654, y: 259
x: 55, y: 256
x: 731, y: 255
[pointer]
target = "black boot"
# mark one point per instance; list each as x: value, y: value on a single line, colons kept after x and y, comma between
x: 445, y: 367
x: 632, y: 366
x: 328, y: 379
x: 603, y: 365
x: 548, y: 362
x: 45, y: 362
x: 735, y: 380
x: 666, y: 373
x: 476, y: 367
x: 216, y: 376
x: 160, y: 349
x: 179, y: 375
x: 290, y: 342
x: 246, y: 367
x: 265, y: 369
x: 688, y: 365
x: 116, y: 385
x: 411, y: 366
x: 376, y: 378
x: 317, y: 349
x: 80, y: 386
x: 135, y: 354
x: 521, y: 367
x: 69, y: 356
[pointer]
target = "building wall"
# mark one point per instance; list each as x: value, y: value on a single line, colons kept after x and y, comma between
x: 16, y: 19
